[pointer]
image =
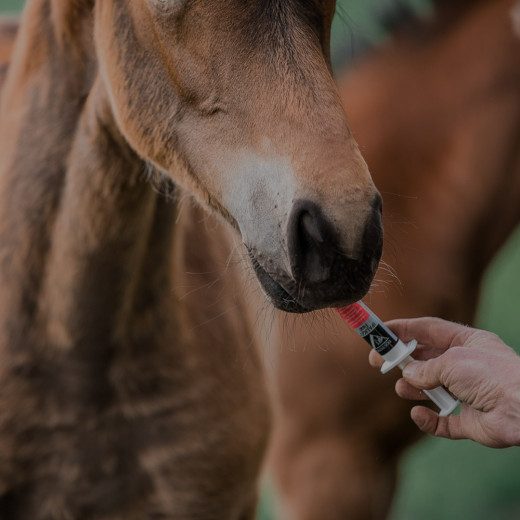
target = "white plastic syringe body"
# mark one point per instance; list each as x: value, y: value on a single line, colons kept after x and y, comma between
x: 440, y: 396
x: 394, y: 351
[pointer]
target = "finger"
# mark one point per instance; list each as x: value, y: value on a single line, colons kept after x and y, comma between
x: 420, y: 353
x: 429, y: 422
x: 423, y: 352
x: 375, y: 359
x: 407, y: 391
x: 424, y: 374
x: 432, y: 332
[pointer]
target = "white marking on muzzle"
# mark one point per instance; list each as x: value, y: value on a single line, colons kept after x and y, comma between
x: 259, y: 195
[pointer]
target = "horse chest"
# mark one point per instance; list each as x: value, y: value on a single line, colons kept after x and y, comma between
x: 133, y: 457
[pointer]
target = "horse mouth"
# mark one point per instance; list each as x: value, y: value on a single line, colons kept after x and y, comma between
x: 349, y: 282
x: 274, y: 291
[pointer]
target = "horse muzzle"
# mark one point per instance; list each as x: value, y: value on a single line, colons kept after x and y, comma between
x: 321, y: 274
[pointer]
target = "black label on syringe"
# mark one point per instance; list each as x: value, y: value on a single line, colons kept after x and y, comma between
x: 369, y: 327
x: 381, y: 339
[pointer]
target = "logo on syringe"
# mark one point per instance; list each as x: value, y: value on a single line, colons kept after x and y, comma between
x: 380, y: 343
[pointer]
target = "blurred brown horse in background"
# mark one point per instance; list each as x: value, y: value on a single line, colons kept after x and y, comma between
x: 130, y: 382
x: 437, y: 114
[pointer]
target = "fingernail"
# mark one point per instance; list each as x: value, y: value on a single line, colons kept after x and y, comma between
x: 410, y: 370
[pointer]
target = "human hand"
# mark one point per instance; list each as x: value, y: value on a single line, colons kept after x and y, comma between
x: 475, y: 366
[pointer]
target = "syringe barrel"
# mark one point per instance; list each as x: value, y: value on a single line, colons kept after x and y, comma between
x: 369, y: 327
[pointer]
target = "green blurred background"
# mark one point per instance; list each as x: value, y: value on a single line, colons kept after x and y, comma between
x: 439, y: 479
x: 11, y: 6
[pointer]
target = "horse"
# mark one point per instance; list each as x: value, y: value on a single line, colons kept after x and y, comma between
x: 155, y: 155
x: 436, y: 111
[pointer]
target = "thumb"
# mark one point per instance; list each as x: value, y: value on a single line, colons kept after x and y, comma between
x: 423, y: 374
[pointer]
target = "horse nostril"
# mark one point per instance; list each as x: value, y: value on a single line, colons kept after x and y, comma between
x: 323, y: 274
x: 377, y: 204
x: 373, y: 235
x: 312, y: 243
x: 310, y: 225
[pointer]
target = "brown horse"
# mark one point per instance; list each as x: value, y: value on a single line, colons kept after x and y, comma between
x: 130, y: 383
x: 437, y: 114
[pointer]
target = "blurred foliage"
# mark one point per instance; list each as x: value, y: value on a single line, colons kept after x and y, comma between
x: 439, y: 479
x: 11, y: 6
x: 359, y: 24
x: 500, y: 303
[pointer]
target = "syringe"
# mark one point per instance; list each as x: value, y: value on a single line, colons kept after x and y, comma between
x: 392, y: 349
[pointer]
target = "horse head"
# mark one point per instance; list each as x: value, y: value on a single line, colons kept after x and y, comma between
x: 234, y: 100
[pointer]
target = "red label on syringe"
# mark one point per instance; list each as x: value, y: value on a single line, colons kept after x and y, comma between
x: 369, y: 327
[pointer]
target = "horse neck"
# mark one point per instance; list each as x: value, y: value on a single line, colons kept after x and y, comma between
x: 111, y: 241
x: 84, y: 237
x: 439, y: 123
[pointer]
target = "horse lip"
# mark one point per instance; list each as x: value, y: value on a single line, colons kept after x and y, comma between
x: 274, y: 291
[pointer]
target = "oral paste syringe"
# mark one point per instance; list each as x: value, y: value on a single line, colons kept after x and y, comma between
x: 394, y: 351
